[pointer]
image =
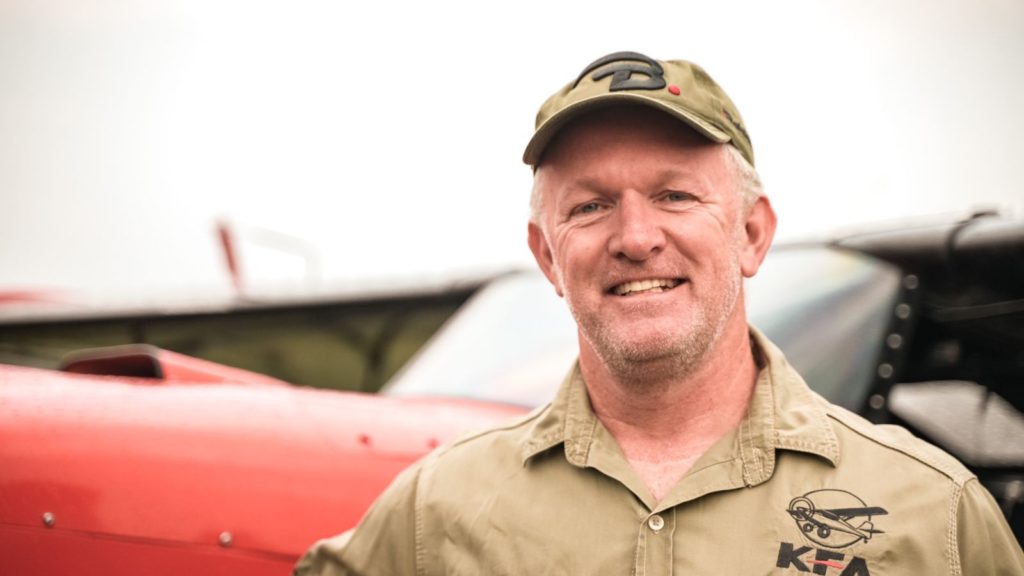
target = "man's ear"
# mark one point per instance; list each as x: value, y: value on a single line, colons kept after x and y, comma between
x: 542, y: 254
x: 758, y: 231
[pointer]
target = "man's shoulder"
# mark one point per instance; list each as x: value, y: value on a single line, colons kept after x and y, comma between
x: 863, y: 442
x: 871, y: 450
x: 495, y: 446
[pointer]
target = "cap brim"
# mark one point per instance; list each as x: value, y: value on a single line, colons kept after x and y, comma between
x: 542, y: 137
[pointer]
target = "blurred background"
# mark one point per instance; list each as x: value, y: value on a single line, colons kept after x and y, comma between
x: 349, y: 145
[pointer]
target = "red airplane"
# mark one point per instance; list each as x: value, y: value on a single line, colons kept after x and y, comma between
x: 205, y: 469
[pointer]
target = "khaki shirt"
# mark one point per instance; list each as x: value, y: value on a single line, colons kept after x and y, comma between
x: 801, y: 486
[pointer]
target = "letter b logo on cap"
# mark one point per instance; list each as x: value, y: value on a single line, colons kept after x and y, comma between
x: 621, y: 66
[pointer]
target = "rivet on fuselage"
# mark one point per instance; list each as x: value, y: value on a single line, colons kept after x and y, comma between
x: 225, y: 539
x: 885, y: 370
x: 877, y: 401
x: 894, y: 341
x: 49, y: 519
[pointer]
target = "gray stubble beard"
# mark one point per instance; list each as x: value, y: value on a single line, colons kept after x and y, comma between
x: 666, y: 361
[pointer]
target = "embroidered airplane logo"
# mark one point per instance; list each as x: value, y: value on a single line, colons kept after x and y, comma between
x: 839, y: 518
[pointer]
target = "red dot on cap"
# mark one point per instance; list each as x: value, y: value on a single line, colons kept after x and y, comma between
x: 673, y: 89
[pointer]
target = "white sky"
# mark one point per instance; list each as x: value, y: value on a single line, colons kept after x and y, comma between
x: 387, y: 135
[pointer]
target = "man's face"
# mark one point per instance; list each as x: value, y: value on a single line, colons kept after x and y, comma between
x: 643, y: 233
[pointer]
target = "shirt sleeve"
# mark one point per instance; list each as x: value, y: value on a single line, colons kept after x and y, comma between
x: 986, y: 545
x: 384, y: 542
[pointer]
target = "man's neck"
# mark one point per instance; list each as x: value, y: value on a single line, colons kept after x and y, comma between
x: 664, y: 426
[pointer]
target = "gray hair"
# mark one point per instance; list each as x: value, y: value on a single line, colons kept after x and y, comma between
x: 748, y: 184
x: 535, y: 202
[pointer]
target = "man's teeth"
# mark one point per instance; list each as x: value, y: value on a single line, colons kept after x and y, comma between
x: 644, y: 286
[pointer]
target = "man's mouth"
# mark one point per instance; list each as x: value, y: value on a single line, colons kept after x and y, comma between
x: 654, y: 285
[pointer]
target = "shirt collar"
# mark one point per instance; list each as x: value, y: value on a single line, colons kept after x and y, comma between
x: 783, y: 414
x: 568, y: 420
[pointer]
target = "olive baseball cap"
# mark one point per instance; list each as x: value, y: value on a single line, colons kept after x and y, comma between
x: 677, y: 87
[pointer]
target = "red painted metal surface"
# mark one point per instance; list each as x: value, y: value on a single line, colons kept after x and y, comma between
x: 147, y: 479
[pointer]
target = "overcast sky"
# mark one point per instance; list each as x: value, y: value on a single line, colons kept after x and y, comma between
x: 384, y: 138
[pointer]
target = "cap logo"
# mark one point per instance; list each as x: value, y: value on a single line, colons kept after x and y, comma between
x: 621, y: 66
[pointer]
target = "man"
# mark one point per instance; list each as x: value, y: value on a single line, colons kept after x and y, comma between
x: 682, y: 442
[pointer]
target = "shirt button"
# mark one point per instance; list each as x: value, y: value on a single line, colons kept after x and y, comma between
x: 656, y: 523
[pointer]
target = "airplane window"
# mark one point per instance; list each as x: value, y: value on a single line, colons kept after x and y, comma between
x: 512, y: 342
x: 828, y: 310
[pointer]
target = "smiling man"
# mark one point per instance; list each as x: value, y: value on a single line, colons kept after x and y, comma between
x: 681, y: 442
x: 642, y: 229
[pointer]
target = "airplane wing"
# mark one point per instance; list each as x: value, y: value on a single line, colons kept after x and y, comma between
x: 846, y: 513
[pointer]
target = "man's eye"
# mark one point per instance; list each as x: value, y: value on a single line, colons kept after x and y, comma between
x: 677, y: 196
x: 588, y: 208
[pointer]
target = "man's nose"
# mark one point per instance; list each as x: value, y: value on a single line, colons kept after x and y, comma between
x: 638, y: 234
